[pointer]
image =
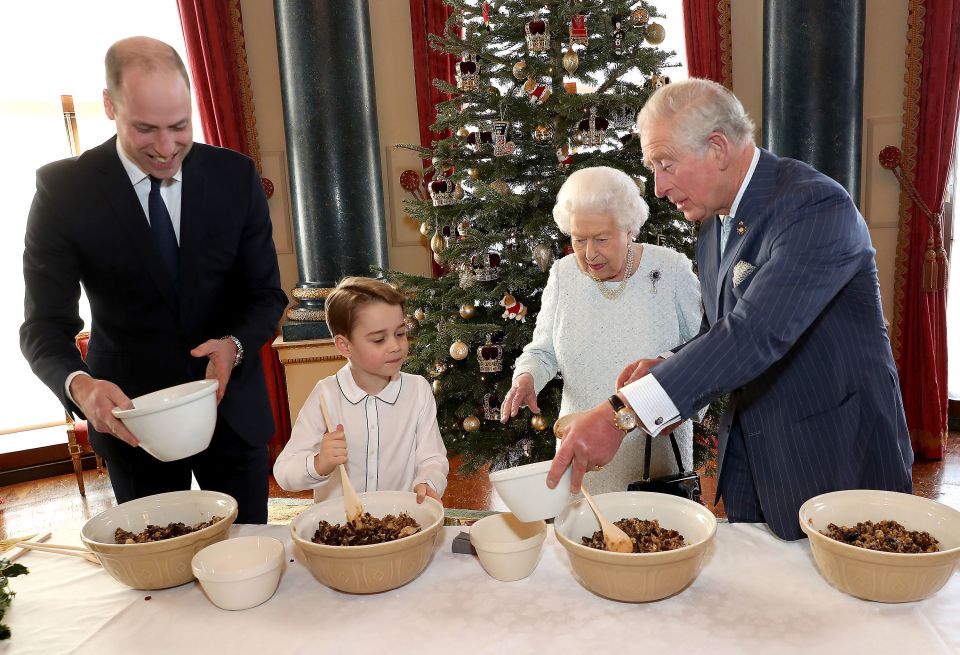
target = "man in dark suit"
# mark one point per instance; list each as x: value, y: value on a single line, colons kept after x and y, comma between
x: 172, y: 242
x: 792, y: 326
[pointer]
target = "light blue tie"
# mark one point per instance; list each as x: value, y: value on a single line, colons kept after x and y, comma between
x: 726, y: 222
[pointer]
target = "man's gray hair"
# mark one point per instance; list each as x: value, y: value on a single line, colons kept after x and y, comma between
x: 696, y: 108
x: 601, y: 190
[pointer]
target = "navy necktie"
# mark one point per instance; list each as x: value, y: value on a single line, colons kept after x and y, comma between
x: 162, y: 228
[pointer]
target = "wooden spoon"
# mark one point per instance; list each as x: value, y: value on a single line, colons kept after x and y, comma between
x: 614, y: 539
x: 351, y: 501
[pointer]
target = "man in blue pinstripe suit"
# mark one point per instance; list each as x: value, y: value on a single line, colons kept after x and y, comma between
x: 792, y: 327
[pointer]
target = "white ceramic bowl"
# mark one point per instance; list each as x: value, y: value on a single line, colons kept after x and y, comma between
x: 158, y: 564
x: 376, y: 567
x: 508, y: 548
x: 637, y: 577
x: 240, y: 573
x: 875, y: 575
x: 524, y: 490
x: 176, y: 422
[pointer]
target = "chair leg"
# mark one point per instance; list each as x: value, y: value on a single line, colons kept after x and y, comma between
x: 74, y: 449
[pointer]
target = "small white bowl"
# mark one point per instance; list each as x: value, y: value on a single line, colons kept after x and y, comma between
x: 175, y: 422
x: 508, y: 548
x: 240, y: 573
x: 524, y: 490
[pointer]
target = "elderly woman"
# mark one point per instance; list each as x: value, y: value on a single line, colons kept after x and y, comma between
x: 609, y: 303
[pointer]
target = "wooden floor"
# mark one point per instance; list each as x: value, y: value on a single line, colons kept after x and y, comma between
x: 32, y: 507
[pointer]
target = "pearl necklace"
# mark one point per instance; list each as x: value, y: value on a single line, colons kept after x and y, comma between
x: 611, y: 294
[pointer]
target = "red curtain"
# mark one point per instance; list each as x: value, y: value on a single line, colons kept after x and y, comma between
x: 930, y: 121
x: 706, y: 26
x: 213, y: 34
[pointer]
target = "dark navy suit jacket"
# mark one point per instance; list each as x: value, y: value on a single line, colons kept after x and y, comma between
x: 87, y: 226
x: 793, y: 329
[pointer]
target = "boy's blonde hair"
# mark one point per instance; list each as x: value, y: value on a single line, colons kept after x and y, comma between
x: 350, y: 295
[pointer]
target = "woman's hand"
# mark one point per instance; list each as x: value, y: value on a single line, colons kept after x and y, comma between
x: 520, y: 394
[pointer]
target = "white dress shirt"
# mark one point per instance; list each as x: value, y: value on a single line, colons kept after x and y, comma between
x: 647, y: 398
x: 393, y: 440
x: 171, y: 191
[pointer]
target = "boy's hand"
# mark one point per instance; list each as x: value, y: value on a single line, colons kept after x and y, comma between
x: 423, y: 490
x: 333, y: 451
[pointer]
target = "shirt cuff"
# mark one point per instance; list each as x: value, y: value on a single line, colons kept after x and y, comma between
x: 66, y: 385
x: 311, y: 466
x: 666, y: 354
x: 651, y: 403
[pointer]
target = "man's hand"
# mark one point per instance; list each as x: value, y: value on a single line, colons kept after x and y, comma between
x: 221, y: 353
x: 423, y: 490
x: 520, y: 394
x: 635, y: 371
x: 97, y: 398
x: 590, y: 440
x: 333, y: 451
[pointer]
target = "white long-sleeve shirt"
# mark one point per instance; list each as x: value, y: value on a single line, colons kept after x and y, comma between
x: 393, y: 440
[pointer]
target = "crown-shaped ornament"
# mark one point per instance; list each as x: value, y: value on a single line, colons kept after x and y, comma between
x: 468, y: 73
x: 537, y: 32
x: 491, y: 407
x: 623, y: 118
x: 490, y: 357
x: 486, y: 267
x: 593, y: 130
x: 443, y: 191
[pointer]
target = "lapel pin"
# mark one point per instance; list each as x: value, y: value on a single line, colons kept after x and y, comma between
x: 741, y: 228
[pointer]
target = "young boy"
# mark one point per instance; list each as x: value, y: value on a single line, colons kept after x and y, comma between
x: 385, y: 428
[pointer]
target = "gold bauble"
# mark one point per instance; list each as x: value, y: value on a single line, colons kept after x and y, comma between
x: 520, y: 70
x: 458, y: 192
x: 474, y: 173
x: 468, y: 310
x: 424, y: 229
x: 494, y: 91
x: 641, y: 184
x: 655, y: 34
x: 437, y: 244
x: 437, y: 386
x: 459, y: 350
x: 419, y: 314
x: 471, y: 423
x: 537, y: 422
x: 571, y: 61
x: 500, y: 187
x: 640, y: 17
x: 463, y: 131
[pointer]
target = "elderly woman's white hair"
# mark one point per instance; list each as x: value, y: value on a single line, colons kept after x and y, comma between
x: 697, y: 107
x: 601, y: 190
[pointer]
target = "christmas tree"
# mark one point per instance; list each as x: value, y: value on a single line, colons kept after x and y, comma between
x: 542, y: 89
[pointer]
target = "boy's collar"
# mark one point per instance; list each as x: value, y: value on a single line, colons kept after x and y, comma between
x: 354, y: 394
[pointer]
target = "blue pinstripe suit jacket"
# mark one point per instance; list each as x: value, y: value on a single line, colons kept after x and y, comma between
x: 799, y: 343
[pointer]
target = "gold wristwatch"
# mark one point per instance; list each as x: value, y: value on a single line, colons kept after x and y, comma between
x: 624, y: 418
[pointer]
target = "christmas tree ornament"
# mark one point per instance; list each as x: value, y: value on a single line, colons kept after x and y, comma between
x: 492, y: 90
x: 438, y: 259
x: 502, y: 147
x: 486, y: 268
x: 411, y: 325
x: 490, y: 357
x: 520, y: 69
x: 442, y: 191
x: 513, y: 308
x: 592, y: 131
x: 471, y: 423
x: 656, y: 81
x: 623, y: 118
x: 538, y: 423
x: 537, y: 92
x: 537, y: 33
x: 578, y: 30
x: 501, y: 187
x: 468, y: 310
x: 467, y: 277
x: 459, y: 350
x: 437, y: 244
x: 619, y: 34
x: 640, y: 17
x: 641, y: 184
x: 542, y: 134
x: 655, y: 34
x: 463, y: 228
x: 571, y: 61
x: 479, y: 139
x: 474, y: 173
x: 467, y: 73
x: 437, y: 386
x: 543, y: 256
x: 491, y: 407
x: 463, y: 132
x: 424, y: 228
x: 564, y: 156
x: 419, y: 314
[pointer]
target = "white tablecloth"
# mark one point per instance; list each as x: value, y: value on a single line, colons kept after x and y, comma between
x: 755, y: 594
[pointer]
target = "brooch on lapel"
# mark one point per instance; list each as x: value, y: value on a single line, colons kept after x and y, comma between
x: 654, y: 278
x: 741, y: 271
x: 741, y: 228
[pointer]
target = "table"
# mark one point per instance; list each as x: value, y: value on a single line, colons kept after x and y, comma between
x: 755, y: 594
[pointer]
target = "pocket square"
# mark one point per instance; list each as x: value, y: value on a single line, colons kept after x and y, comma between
x: 741, y: 271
